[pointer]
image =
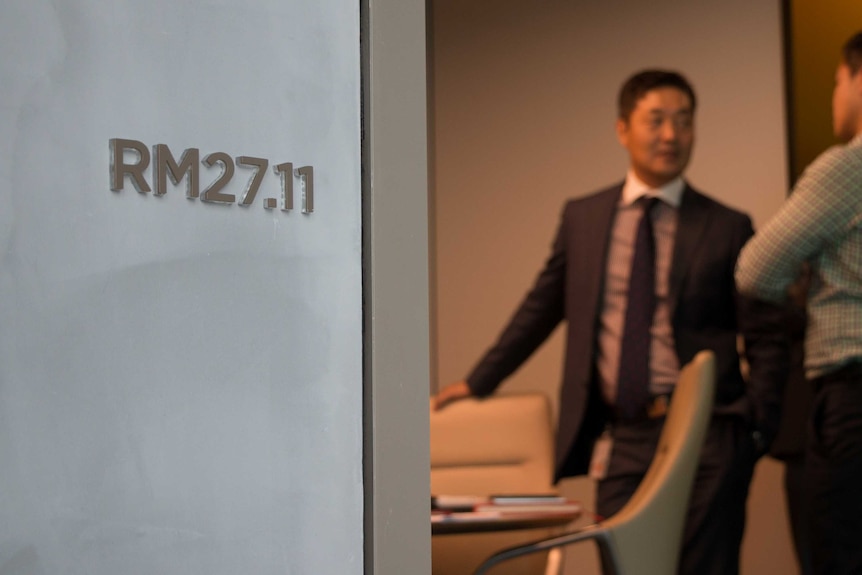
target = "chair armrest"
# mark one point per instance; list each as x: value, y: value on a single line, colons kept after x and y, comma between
x: 597, y: 532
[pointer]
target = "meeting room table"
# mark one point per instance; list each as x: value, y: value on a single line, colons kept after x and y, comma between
x: 484, y: 521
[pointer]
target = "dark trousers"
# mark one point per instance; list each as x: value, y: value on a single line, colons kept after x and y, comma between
x: 833, y: 473
x: 716, y: 514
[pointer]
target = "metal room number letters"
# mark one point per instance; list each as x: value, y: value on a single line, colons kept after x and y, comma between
x: 131, y: 158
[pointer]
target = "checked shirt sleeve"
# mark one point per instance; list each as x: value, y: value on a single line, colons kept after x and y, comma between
x: 823, y: 208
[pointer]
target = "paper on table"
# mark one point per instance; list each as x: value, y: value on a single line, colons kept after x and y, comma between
x: 526, y: 499
x: 567, y: 507
x: 457, y: 502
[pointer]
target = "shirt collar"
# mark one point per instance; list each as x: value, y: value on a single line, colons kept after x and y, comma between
x: 634, y: 188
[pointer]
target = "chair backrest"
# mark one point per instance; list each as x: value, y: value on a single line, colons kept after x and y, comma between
x: 502, y: 444
x: 646, y: 534
x: 498, y: 445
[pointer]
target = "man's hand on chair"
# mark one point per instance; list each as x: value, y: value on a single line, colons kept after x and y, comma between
x: 452, y: 393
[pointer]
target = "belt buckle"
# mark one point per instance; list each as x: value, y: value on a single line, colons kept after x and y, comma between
x: 658, y: 406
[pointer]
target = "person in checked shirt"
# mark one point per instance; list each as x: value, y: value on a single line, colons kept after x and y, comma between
x: 821, y: 224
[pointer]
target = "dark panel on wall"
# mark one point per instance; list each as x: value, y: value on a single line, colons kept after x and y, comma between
x: 815, y: 30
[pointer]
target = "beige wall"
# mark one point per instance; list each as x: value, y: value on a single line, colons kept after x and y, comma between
x: 522, y: 108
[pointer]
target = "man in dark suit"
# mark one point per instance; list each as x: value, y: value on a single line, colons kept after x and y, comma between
x: 625, y: 344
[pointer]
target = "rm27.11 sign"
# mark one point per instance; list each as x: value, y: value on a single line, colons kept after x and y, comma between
x: 164, y: 165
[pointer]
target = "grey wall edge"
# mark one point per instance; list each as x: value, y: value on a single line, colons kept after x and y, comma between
x: 395, y: 237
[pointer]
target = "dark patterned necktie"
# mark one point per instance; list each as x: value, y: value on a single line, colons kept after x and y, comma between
x: 634, y: 372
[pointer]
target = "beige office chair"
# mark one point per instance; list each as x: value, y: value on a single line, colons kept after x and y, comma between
x: 644, y: 537
x: 499, y: 445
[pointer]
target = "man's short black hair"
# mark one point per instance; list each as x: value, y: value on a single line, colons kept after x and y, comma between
x: 642, y: 82
x: 852, y: 53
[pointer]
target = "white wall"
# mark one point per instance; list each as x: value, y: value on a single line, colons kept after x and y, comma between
x: 180, y: 381
x: 524, y: 107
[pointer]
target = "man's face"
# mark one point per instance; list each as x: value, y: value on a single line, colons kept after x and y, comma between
x: 846, y: 103
x: 659, y: 135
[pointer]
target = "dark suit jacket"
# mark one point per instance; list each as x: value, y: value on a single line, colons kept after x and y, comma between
x: 706, y: 313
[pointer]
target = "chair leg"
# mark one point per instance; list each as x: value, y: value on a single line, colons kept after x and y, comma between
x: 555, y: 562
